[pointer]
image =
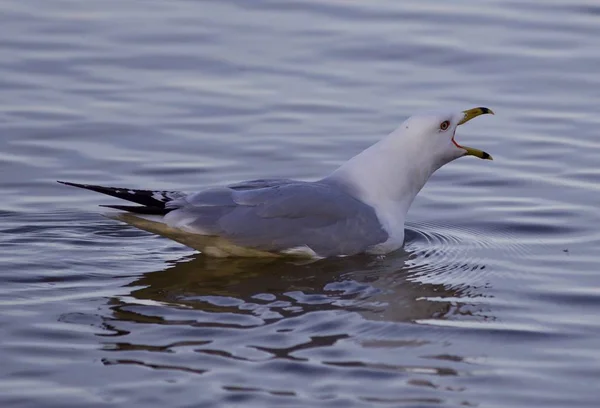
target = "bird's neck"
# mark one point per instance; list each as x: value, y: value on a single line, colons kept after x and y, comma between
x: 387, y: 176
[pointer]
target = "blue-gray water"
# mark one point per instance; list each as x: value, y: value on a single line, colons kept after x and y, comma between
x: 495, y: 303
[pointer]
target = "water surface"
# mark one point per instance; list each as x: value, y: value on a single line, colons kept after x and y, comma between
x: 494, y: 302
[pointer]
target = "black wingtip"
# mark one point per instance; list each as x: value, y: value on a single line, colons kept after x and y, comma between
x: 148, y: 198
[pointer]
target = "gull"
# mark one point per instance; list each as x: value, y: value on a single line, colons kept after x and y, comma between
x: 359, y: 208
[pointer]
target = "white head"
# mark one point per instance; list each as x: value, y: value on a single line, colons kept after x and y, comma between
x: 431, y: 136
x: 395, y: 169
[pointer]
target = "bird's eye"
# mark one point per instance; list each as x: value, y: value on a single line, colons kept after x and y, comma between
x: 445, y: 125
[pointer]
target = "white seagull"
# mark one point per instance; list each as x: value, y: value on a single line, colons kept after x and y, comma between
x: 359, y: 208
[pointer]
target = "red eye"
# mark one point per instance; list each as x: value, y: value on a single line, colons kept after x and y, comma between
x: 445, y: 125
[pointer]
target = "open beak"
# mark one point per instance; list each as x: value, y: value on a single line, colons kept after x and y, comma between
x: 470, y: 114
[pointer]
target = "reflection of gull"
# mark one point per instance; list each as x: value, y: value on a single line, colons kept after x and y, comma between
x: 380, y: 289
x: 361, y: 207
x: 228, y: 319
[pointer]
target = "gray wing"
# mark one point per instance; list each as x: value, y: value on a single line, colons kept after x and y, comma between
x: 276, y: 215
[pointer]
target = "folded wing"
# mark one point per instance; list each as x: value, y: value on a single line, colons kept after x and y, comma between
x: 279, y: 215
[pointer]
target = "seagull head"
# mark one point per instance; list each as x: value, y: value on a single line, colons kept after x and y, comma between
x: 396, y: 168
x: 433, y: 134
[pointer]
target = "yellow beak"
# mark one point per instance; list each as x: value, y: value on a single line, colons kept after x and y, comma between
x: 470, y: 114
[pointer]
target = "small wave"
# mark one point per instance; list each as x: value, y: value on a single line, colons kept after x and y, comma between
x: 456, y: 253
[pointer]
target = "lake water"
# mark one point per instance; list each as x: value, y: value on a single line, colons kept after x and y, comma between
x: 494, y: 303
